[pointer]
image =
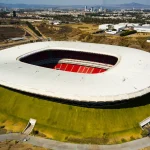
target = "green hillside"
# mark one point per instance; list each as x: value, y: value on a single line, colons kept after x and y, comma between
x: 73, y: 123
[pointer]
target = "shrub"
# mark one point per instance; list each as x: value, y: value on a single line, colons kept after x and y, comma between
x: 33, y: 28
x: 2, y: 127
x: 123, y: 140
x: 144, y: 133
x: 125, y: 33
x: 132, y: 138
x: 35, y: 132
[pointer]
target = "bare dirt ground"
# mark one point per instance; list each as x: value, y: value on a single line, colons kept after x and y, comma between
x: 83, y: 32
x: 148, y: 148
x: 14, y: 145
x: 140, y: 35
x: 10, y: 32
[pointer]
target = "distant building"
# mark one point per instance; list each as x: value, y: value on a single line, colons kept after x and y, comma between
x: 14, y: 14
x: 5, y: 9
x: 133, y: 24
x: 105, y: 27
x: 146, y: 25
x: 50, y: 9
x: 144, y: 29
x: 122, y: 10
x: 105, y: 10
x: 124, y: 26
x: 32, y: 20
x: 120, y: 27
x: 133, y: 9
x: 112, y: 27
x: 17, y: 39
x: 85, y: 8
x: 148, y: 41
x: 55, y: 22
x: 92, y: 9
x: 100, y: 9
x: 111, y: 32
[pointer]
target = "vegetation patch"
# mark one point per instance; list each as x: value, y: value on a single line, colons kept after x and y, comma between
x: 33, y: 28
x: 66, y: 122
x: 125, y: 33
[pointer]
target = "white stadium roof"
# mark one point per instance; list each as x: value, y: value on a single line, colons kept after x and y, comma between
x: 129, y: 78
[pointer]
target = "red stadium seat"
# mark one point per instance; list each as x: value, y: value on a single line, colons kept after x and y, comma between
x: 63, y: 66
x: 69, y: 67
x: 81, y: 69
x: 90, y: 70
x: 85, y: 70
x: 75, y: 68
x: 96, y: 70
x: 57, y: 66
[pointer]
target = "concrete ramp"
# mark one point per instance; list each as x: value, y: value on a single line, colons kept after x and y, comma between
x: 29, y: 126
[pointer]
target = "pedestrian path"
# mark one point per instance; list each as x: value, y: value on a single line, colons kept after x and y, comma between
x: 56, y: 145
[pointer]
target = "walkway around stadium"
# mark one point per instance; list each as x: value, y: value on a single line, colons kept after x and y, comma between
x: 55, y: 145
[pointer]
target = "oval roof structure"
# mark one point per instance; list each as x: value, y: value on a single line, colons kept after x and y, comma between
x: 129, y: 78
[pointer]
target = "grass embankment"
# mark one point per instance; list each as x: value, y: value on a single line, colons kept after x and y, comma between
x: 33, y: 28
x: 71, y: 123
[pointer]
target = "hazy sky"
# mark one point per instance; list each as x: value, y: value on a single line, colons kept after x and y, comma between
x: 74, y: 2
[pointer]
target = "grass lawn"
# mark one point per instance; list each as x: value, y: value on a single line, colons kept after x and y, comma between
x: 84, y: 27
x: 73, y: 123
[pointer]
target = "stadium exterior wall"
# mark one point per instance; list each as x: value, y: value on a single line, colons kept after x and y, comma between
x: 128, y: 79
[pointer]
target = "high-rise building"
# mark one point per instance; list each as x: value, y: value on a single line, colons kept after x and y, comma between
x: 85, y: 8
x: 5, y: 9
x: 14, y: 14
x: 100, y: 9
x: 133, y: 9
x: 92, y: 9
x: 50, y: 9
x: 122, y: 10
x: 105, y: 10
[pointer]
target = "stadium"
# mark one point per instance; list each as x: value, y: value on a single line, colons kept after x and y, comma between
x: 40, y: 77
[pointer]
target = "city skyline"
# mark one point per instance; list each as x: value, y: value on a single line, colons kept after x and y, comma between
x: 77, y: 2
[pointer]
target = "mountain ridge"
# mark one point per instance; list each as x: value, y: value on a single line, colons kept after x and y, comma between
x: 36, y: 6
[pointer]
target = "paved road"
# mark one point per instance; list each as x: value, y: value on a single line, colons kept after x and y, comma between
x: 55, y: 145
